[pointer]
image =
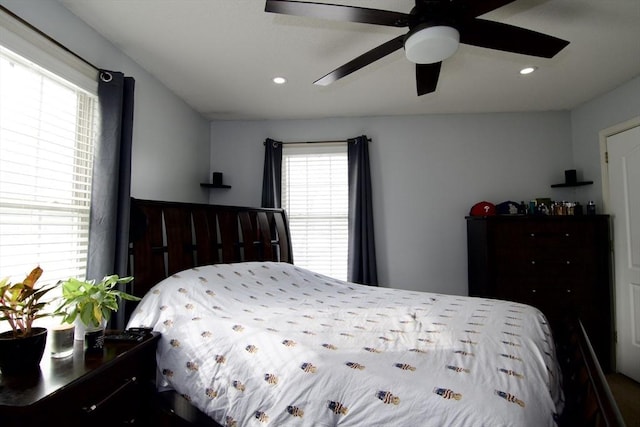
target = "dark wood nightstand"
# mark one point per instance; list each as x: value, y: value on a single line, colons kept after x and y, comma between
x: 111, y: 388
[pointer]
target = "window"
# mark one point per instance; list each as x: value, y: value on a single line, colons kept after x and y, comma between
x: 315, y: 196
x: 47, y: 136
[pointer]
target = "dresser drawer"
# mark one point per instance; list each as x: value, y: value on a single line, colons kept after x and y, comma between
x: 554, y: 301
x: 534, y: 238
x: 110, y: 397
x: 553, y: 285
x: 546, y: 266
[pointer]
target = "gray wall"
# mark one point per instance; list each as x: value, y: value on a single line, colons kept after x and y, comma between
x: 170, y: 141
x: 612, y: 108
x: 427, y: 172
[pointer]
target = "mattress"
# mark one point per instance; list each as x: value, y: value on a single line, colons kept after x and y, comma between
x: 253, y: 344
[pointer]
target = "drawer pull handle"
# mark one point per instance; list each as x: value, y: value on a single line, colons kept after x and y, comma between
x: 533, y: 262
x: 89, y: 409
x: 533, y: 234
x: 568, y: 291
x: 533, y: 291
x: 567, y: 235
x: 568, y: 262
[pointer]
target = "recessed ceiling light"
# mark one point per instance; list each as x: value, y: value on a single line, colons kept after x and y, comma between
x: 279, y: 80
x: 528, y: 70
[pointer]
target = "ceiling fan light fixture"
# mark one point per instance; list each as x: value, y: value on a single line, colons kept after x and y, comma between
x: 428, y: 45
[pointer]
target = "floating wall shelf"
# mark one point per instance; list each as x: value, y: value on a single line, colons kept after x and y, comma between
x: 574, y: 184
x: 204, y: 184
x: 570, y: 180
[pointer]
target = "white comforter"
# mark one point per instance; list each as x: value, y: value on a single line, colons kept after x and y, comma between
x: 256, y: 344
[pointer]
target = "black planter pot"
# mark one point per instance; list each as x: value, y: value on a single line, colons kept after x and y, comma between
x: 21, y: 355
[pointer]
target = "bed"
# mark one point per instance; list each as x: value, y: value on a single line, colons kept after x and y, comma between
x: 248, y: 338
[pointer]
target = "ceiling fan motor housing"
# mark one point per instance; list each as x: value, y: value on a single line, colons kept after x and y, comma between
x: 428, y: 44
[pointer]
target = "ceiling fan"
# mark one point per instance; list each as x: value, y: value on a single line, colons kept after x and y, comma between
x: 436, y: 27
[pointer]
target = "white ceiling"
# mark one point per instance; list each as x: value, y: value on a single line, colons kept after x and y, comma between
x: 220, y: 55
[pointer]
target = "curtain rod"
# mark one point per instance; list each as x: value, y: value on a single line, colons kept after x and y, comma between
x: 46, y: 36
x: 345, y: 141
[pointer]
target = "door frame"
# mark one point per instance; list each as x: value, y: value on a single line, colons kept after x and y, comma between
x: 604, y: 166
x: 606, y: 202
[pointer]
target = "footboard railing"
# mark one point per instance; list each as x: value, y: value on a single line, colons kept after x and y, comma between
x: 588, y: 398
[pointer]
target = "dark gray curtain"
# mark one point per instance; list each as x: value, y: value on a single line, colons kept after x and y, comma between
x: 111, y: 183
x: 272, y: 174
x: 362, y: 251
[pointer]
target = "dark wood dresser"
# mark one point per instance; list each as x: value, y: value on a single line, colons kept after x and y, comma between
x: 559, y: 264
x: 114, y: 387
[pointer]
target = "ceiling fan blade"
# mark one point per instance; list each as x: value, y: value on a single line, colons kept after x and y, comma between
x: 496, y: 35
x: 473, y: 8
x: 336, y: 12
x: 427, y: 77
x: 362, y: 61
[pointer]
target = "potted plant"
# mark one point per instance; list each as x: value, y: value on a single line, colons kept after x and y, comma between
x: 90, y: 304
x: 22, y: 347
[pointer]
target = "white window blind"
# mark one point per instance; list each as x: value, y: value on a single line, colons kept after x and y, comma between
x: 315, y: 196
x: 47, y: 135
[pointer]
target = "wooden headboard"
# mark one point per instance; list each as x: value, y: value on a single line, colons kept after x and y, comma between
x: 168, y: 237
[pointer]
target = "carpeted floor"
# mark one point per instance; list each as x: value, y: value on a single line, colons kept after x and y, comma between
x: 627, y: 394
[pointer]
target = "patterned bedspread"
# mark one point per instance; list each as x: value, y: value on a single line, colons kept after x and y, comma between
x: 257, y: 344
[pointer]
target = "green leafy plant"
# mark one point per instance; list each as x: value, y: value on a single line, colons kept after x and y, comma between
x: 91, y: 301
x: 20, y: 303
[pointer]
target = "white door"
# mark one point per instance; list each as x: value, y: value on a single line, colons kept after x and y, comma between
x: 623, y: 169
